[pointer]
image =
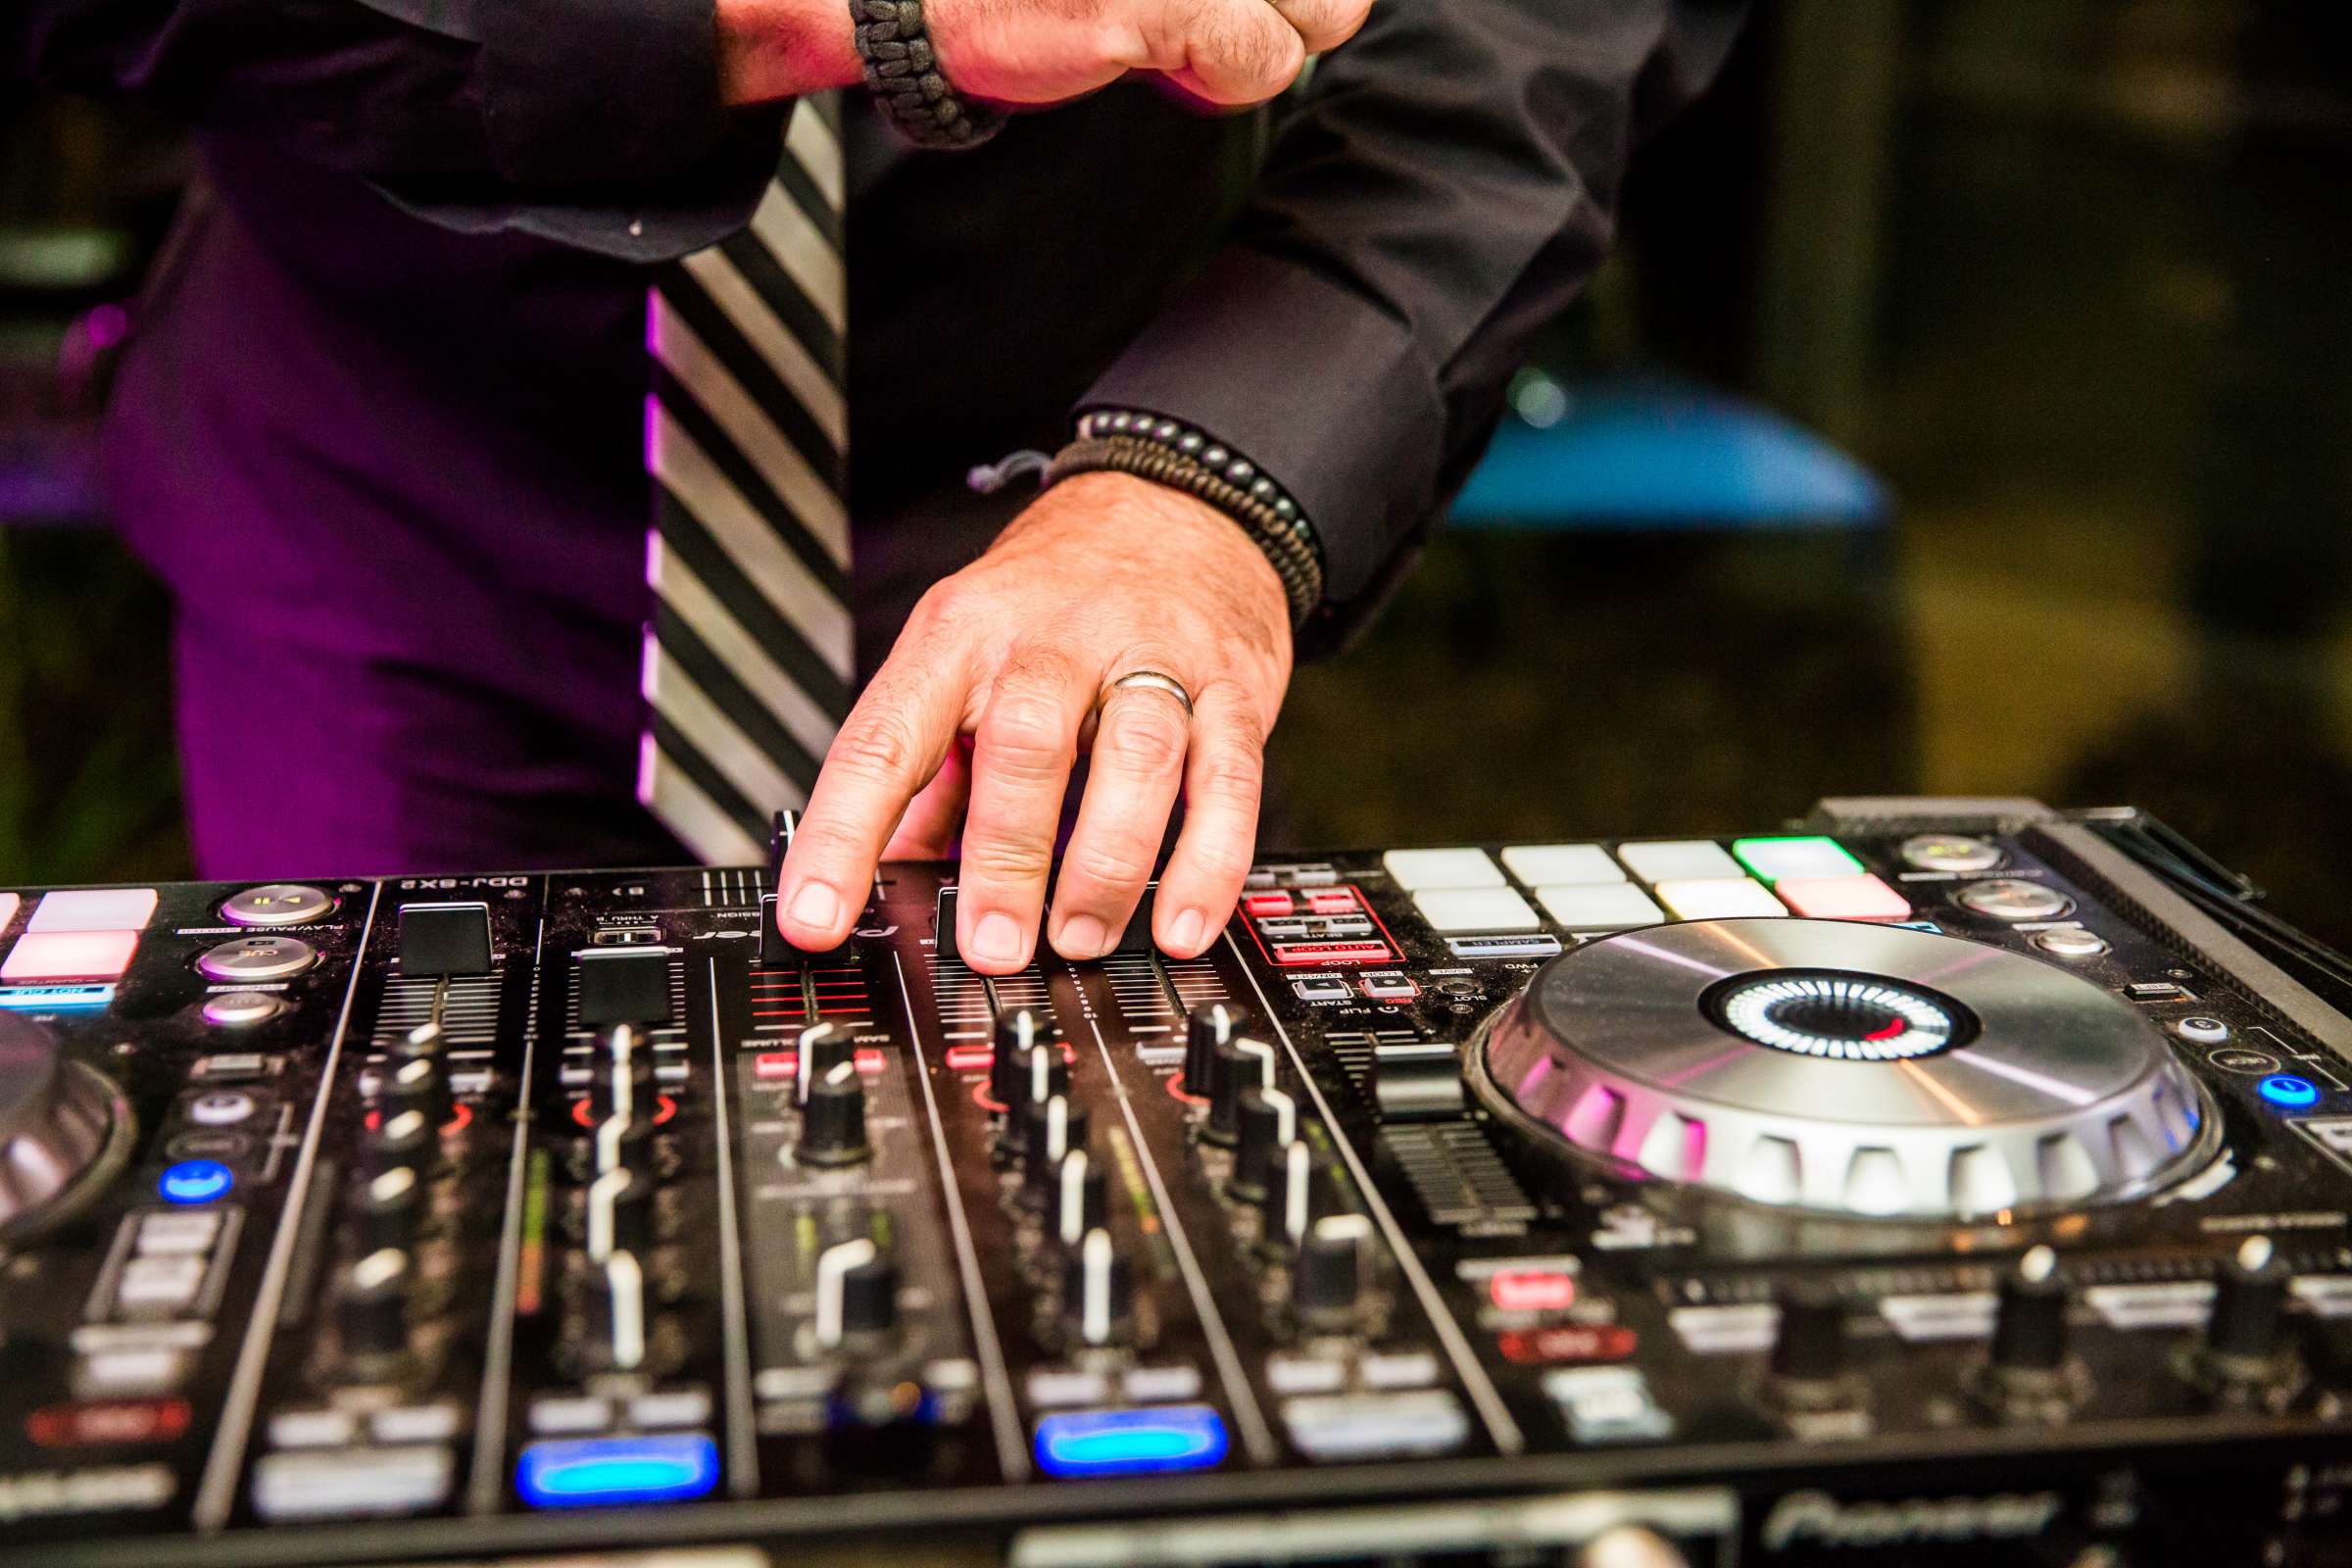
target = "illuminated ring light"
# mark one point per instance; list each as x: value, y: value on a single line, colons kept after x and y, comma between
x: 1841, y: 1017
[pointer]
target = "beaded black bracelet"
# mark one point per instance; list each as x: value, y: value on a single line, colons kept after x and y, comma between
x: 1152, y: 447
x: 901, y: 71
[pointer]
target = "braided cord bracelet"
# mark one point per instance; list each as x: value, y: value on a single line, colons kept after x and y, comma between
x: 1150, y: 447
x: 901, y: 71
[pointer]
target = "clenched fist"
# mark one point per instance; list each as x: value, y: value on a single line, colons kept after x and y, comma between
x: 1030, y: 52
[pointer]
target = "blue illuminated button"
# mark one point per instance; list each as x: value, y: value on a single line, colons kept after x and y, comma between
x: 196, y: 1181
x: 599, y: 1472
x: 2286, y: 1089
x: 1130, y: 1442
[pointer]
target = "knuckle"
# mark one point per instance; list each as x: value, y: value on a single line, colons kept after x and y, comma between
x: 1222, y: 860
x: 1149, y: 738
x: 1025, y: 737
x: 875, y: 748
x: 1231, y: 778
x: 1000, y: 859
x: 1120, y: 863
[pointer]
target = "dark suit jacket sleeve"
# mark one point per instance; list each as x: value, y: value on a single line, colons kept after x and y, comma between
x: 452, y: 105
x: 1446, y: 182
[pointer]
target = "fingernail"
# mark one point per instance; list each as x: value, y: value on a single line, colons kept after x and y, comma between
x: 996, y: 938
x: 816, y: 904
x: 1186, y: 934
x: 1082, y: 937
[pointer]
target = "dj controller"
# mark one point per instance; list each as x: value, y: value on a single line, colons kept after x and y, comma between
x: 1929, y: 1181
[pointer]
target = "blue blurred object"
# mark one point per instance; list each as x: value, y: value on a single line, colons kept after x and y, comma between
x: 1651, y: 453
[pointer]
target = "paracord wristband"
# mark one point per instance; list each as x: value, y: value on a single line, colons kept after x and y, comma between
x: 1150, y: 447
x: 901, y: 71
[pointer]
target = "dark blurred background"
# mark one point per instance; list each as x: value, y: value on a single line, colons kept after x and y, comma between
x: 1968, y: 410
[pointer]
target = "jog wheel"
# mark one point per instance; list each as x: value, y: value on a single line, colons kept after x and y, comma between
x: 1844, y: 1068
x: 64, y: 1131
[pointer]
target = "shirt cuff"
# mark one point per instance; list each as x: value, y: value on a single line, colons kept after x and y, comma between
x: 1314, y: 384
x: 602, y: 91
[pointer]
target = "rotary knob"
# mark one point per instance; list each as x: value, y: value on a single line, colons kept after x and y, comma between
x: 417, y: 1084
x: 616, y: 1312
x: 59, y: 1122
x: 389, y: 1210
x: 1810, y: 1346
x: 833, y: 1120
x: 2029, y: 1329
x: 1329, y: 1275
x: 1268, y: 1121
x: 399, y: 1140
x: 621, y: 1079
x: 2249, y: 1304
x: 857, y: 1294
x: 1097, y: 1290
x: 1204, y: 1029
x: 1235, y: 1066
x: 1293, y: 1201
x: 819, y: 1050
x: 373, y: 1308
x: 618, y: 1215
x: 1081, y: 1197
x: 1048, y: 1134
x: 1016, y: 1033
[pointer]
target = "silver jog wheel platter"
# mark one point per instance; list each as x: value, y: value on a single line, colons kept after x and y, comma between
x: 1844, y: 1068
x: 64, y: 1131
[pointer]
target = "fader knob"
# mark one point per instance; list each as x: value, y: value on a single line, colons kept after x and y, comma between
x: 417, y: 1084
x: 1326, y: 1278
x: 1008, y: 1068
x: 2028, y: 1333
x: 1048, y: 1133
x: 2249, y: 1300
x: 388, y: 1208
x: 1081, y: 1197
x: 820, y: 1048
x: 1810, y: 1346
x: 1204, y: 1029
x: 1097, y: 1290
x: 398, y: 1140
x: 833, y: 1120
x: 1267, y: 1122
x: 373, y: 1308
x: 857, y: 1294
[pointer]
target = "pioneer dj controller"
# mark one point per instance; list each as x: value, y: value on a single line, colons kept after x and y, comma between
x: 1937, y: 1181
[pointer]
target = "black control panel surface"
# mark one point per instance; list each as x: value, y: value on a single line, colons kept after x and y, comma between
x: 506, y: 1216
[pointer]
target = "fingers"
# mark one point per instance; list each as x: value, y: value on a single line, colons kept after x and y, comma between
x: 1136, y: 768
x: 1021, y: 760
x: 1324, y: 24
x: 927, y: 832
x: 1224, y: 778
x: 1233, y: 52
x: 891, y: 745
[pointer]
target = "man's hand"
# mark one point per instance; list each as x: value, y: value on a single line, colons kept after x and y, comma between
x: 1034, y: 52
x: 1106, y: 574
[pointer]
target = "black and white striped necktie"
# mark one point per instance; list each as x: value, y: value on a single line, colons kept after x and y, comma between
x: 748, y: 657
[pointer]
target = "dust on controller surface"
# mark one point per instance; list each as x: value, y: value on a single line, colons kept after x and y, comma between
x: 356, y: 1221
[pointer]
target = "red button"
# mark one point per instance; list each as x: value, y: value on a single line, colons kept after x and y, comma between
x: 1843, y: 897
x: 770, y: 1066
x: 1567, y: 1343
x: 963, y: 1058
x: 1290, y: 954
x: 107, y: 1421
x: 1531, y: 1290
x: 868, y: 1061
x: 1332, y: 900
x: 1263, y: 905
x: 69, y: 956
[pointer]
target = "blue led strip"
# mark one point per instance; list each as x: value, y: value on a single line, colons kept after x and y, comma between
x: 1140, y: 1442
x: 603, y: 1472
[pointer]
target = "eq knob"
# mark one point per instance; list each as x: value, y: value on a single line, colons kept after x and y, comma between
x: 621, y: 1079
x: 1206, y: 1029
x: 417, y: 1084
x: 2249, y: 1306
x: 820, y: 1048
x: 399, y: 1139
x: 618, y: 1215
x: 833, y: 1120
x: 1081, y: 1197
x: 1048, y: 1133
x: 1097, y: 1290
x: 1293, y: 1201
x: 1233, y: 1068
x: 2028, y: 1329
x: 389, y: 1210
x: 427, y: 1039
x: 1329, y: 1274
x: 371, y: 1309
x: 1809, y: 1348
x: 1268, y: 1122
x: 1045, y: 1073
x: 1016, y: 1033
x: 857, y: 1294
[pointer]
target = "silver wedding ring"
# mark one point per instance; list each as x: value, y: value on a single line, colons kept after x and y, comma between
x: 1156, y: 682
